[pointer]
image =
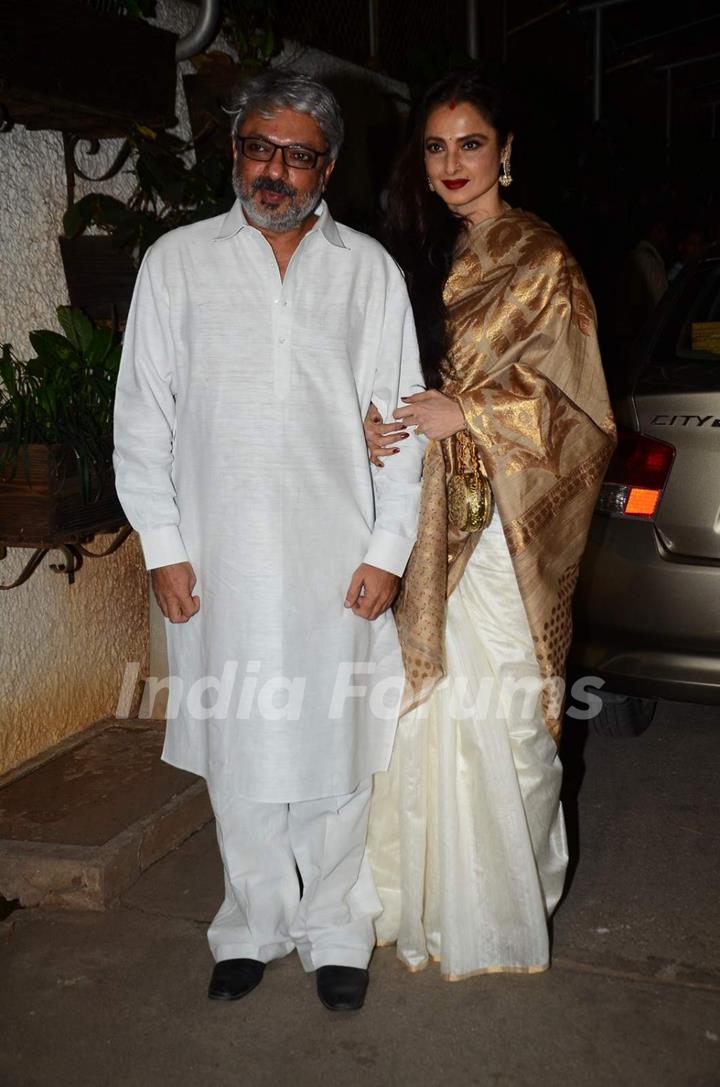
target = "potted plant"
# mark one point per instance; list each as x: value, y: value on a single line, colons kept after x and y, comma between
x: 248, y: 26
x: 176, y: 182
x: 169, y: 192
x: 56, y: 479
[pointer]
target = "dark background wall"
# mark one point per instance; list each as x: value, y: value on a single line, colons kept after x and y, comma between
x: 653, y: 150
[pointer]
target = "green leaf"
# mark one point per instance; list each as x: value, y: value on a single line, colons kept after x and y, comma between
x: 112, y: 363
x: 100, y: 345
x: 51, y: 347
x: 77, y: 327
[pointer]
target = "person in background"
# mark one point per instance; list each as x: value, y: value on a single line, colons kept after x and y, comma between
x: 691, y: 242
x: 642, y: 282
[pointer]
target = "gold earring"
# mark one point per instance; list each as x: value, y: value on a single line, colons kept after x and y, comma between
x: 505, y: 176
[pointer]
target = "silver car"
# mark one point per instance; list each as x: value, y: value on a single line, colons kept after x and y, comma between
x: 647, y: 607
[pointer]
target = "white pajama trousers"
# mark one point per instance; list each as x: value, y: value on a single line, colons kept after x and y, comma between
x: 263, y: 916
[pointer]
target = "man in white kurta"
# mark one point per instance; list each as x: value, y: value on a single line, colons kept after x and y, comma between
x: 250, y: 359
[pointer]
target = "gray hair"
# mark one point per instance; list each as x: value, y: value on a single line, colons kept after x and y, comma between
x: 276, y: 89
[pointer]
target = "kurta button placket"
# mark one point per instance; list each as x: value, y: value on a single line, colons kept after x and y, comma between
x: 283, y: 350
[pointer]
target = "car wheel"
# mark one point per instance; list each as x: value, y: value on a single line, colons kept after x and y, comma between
x: 622, y: 715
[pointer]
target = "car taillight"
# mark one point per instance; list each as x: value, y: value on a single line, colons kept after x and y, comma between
x: 636, y: 475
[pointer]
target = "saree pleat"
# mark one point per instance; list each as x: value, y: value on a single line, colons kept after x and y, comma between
x: 467, y: 839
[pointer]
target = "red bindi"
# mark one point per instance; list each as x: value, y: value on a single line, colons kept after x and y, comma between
x: 452, y: 103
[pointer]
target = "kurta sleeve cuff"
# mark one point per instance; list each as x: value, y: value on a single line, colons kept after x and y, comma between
x: 163, y: 546
x: 388, y: 551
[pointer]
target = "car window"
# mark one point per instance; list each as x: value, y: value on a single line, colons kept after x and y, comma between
x: 687, y: 346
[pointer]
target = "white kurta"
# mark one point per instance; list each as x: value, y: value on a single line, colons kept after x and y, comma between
x: 240, y: 447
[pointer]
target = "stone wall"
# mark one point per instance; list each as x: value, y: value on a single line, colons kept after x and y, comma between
x: 63, y: 648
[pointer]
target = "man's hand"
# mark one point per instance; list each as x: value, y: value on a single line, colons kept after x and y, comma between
x: 371, y: 591
x: 173, y: 586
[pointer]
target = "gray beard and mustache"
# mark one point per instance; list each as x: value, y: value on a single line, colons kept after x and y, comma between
x: 287, y: 217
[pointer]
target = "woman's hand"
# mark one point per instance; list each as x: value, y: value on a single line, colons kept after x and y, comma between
x: 381, y: 437
x: 431, y: 413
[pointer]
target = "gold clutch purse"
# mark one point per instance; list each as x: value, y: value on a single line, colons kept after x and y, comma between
x: 469, y: 495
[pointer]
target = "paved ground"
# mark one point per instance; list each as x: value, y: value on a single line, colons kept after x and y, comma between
x: 118, y: 998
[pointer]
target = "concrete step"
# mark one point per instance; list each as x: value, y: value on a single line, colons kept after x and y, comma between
x: 81, y: 822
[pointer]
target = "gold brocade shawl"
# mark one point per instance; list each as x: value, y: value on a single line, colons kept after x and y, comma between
x: 524, y: 366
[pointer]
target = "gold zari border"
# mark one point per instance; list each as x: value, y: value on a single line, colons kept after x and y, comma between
x: 536, y: 968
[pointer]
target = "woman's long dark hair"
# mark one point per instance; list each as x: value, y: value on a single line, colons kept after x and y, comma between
x: 421, y: 231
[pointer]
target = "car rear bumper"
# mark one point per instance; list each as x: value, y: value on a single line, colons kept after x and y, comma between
x: 646, y: 621
x: 650, y: 675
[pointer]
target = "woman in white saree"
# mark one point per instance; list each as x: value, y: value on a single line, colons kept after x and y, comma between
x: 467, y: 839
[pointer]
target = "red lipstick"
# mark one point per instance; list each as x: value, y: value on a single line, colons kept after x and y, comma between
x: 455, y: 182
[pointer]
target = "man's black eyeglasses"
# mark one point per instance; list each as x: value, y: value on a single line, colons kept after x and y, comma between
x: 294, y: 155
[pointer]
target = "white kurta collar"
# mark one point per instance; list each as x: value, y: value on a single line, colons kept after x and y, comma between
x: 235, y: 221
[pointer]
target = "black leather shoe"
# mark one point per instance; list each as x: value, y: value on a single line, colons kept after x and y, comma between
x: 234, y: 978
x: 342, y: 988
